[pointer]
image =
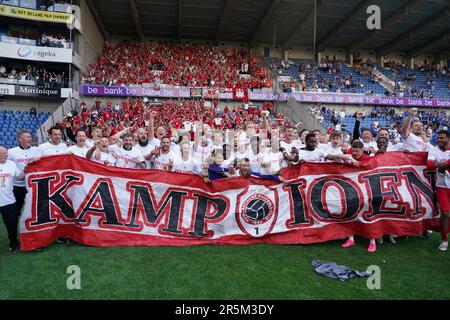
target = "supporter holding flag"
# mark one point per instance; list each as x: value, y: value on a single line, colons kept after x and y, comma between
x: 54, y: 146
x: 392, y: 145
x: 99, y: 153
x: 163, y: 158
x: 127, y: 156
x: 22, y: 155
x: 439, y: 160
x: 80, y: 149
x: 411, y: 132
x: 186, y: 163
x: 359, y: 156
x: 313, y: 153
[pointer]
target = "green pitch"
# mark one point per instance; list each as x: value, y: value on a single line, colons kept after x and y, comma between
x: 410, y: 269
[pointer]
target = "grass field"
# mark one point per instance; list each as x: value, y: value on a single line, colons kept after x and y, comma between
x: 410, y: 269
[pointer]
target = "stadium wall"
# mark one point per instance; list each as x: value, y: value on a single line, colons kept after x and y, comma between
x: 24, y: 104
x: 90, y: 42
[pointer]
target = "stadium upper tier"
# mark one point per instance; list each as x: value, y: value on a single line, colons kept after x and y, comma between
x: 177, y: 64
x: 329, y: 76
x: 423, y: 82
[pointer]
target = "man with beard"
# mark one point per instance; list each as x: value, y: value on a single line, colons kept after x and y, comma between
x: 163, y: 158
x: 100, y: 153
x: 144, y: 146
x: 391, y: 146
x: 80, y: 149
x: 127, y: 156
x: 412, y: 134
x: 439, y: 160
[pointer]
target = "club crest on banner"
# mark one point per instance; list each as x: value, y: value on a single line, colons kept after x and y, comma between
x: 256, y: 211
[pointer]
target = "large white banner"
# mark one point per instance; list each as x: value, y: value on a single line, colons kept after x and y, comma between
x: 24, y: 52
x: 97, y: 205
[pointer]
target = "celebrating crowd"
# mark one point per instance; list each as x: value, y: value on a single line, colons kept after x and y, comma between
x: 194, y: 137
x: 33, y: 75
x: 176, y: 64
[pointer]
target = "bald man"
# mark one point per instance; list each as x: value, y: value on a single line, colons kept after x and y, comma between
x: 8, y: 208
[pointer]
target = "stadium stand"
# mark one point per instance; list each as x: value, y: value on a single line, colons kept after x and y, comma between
x: 176, y: 64
x: 12, y: 121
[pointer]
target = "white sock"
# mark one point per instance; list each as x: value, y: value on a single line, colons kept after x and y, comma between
x: 351, y: 238
x: 372, y: 241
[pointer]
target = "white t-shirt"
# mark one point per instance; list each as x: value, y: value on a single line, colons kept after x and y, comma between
x: 415, y: 144
x: 128, y: 158
x: 48, y: 149
x: 437, y: 155
x: 202, y: 153
x: 394, y: 147
x: 22, y: 157
x: 288, y: 146
x: 189, y: 166
x: 187, y: 125
x: 273, y: 159
x: 333, y: 150
x: 76, y: 150
x: 105, y: 159
x: 162, y: 162
x: 147, y: 149
x: 255, y: 161
x: 314, y: 155
x: 370, y: 144
x: 8, y: 171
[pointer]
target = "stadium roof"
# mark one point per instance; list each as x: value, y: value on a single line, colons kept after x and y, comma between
x: 411, y: 26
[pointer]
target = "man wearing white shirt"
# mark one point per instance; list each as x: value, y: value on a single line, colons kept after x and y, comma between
x: 144, y: 146
x: 101, y: 154
x: 384, y: 133
x: 186, y: 163
x: 163, y: 158
x: 127, y: 156
x: 288, y: 143
x: 80, y: 149
x: 54, y: 146
x: 22, y: 156
x: 335, y: 144
x: 8, y: 208
x: 411, y: 134
x: 439, y: 160
x: 313, y: 153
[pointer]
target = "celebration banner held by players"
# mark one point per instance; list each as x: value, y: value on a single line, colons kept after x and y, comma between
x: 98, y: 205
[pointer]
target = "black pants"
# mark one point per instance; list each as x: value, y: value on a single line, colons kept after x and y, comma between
x: 20, y: 194
x: 10, y: 216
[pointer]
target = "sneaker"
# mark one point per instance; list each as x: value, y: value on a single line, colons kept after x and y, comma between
x: 380, y: 240
x: 14, y: 248
x: 61, y: 240
x: 372, y: 247
x: 348, y: 243
x: 38, y: 250
x: 443, y: 246
x: 392, y: 239
x: 71, y: 243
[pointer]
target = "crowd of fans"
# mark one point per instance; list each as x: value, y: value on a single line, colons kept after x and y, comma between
x: 33, y: 75
x: 328, y: 76
x: 44, y: 39
x: 176, y: 64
